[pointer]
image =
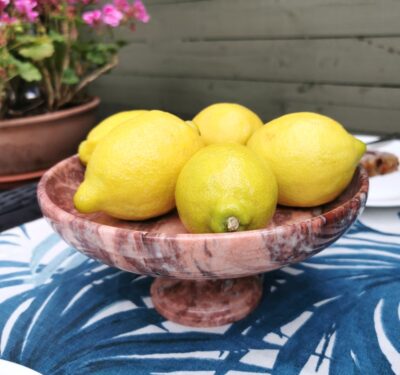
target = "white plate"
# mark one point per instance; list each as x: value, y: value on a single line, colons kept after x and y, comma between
x: 14, y: 369
x: 386, y: 221
x: 384, y: 191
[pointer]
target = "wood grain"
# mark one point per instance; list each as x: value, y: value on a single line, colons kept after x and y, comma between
x: 338, y: 57
x: 247, y: 19
x: 354, y: 61
x: 358, y: 108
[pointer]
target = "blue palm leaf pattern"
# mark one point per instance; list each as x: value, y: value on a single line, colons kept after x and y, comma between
x: 336, y: 313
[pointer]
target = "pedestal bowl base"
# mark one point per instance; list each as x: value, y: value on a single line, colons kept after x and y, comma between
x: 206, y: 303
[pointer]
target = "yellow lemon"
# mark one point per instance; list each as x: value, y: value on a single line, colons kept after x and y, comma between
x: 313, y: 157
x: 193, y: 126
x: 133, y: 171
x: 225, y: 188
x: 101, y: 130
x: 227, y: 122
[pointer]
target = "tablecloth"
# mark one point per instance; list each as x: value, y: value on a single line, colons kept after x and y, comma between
x: 336, y: 313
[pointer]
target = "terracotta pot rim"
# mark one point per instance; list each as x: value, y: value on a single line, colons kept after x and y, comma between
x: 51, y: 116
x: 5, y: 179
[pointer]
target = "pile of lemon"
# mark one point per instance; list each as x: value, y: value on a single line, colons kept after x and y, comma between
x: 224, y: 171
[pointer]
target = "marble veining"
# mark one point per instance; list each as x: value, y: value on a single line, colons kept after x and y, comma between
x: 203, y: 279
x: 162, y: 247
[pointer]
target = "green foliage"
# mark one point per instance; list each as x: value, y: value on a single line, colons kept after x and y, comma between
x: 15, y: 67
x: 56, y: 37
x: 69, y: 77
x: 35, y: 48
x: 28, y: 71
x: 58, y: 47
x: 98, y: 54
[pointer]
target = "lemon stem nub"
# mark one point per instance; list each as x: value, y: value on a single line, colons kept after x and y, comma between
x: 232, y: 224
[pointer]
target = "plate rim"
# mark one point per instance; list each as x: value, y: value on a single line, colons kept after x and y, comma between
x: 14, y: 366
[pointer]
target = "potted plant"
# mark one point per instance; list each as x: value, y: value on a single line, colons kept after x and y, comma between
x: 50, y: 51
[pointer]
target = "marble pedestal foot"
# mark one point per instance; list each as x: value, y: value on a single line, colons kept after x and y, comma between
x: 206, y: 303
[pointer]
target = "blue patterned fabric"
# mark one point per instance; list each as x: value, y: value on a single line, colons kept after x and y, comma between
x: 337, y: 313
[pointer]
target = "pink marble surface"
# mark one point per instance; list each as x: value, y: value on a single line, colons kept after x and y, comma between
x: 206, y: 303
x: 162, y: 247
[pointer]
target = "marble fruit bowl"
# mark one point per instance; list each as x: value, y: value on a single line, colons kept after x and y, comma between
x: 201, y: 279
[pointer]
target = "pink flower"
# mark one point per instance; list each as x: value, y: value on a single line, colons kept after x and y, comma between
x: 84, y: 2
x: 3, y: 4
x: 75, y: 3
x: 140, y: 11
x: 111, y: 15
x: 92, y: 17
x: 26, y: 8
x: 6, y: 19
x: 122, y: 5
x: 45, y: 5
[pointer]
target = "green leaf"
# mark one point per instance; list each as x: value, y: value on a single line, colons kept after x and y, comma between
x: 37, y: 52
x: 27, y: 39
x: 27, y: 71
x: 69, y: 77
x: 96, y: 57
x: 56, y: 37
x: 96, y: 53
x: 107, y: 47
x: 121, y: 43
x: 101, y: 53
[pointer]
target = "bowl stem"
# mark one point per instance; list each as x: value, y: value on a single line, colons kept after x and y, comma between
x: 206, y: 303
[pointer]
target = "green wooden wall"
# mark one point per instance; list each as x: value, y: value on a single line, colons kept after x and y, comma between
x: 337, y: 57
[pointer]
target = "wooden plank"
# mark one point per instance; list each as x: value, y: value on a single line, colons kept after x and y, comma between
x: 371, y: 61
x: 358, y: 108
x: 262, y: 19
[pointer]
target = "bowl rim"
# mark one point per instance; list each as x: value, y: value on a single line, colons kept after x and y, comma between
x: 53, y: 212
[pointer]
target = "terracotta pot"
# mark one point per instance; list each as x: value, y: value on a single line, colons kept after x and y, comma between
x: 37, y: 142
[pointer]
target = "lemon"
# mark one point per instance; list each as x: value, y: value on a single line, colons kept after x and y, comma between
x: 225, y: 188
x: 193, y: 126
x: 101, y: 130
x: 133, y: 171
x: 227, y: 122
x: 313, y: 157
